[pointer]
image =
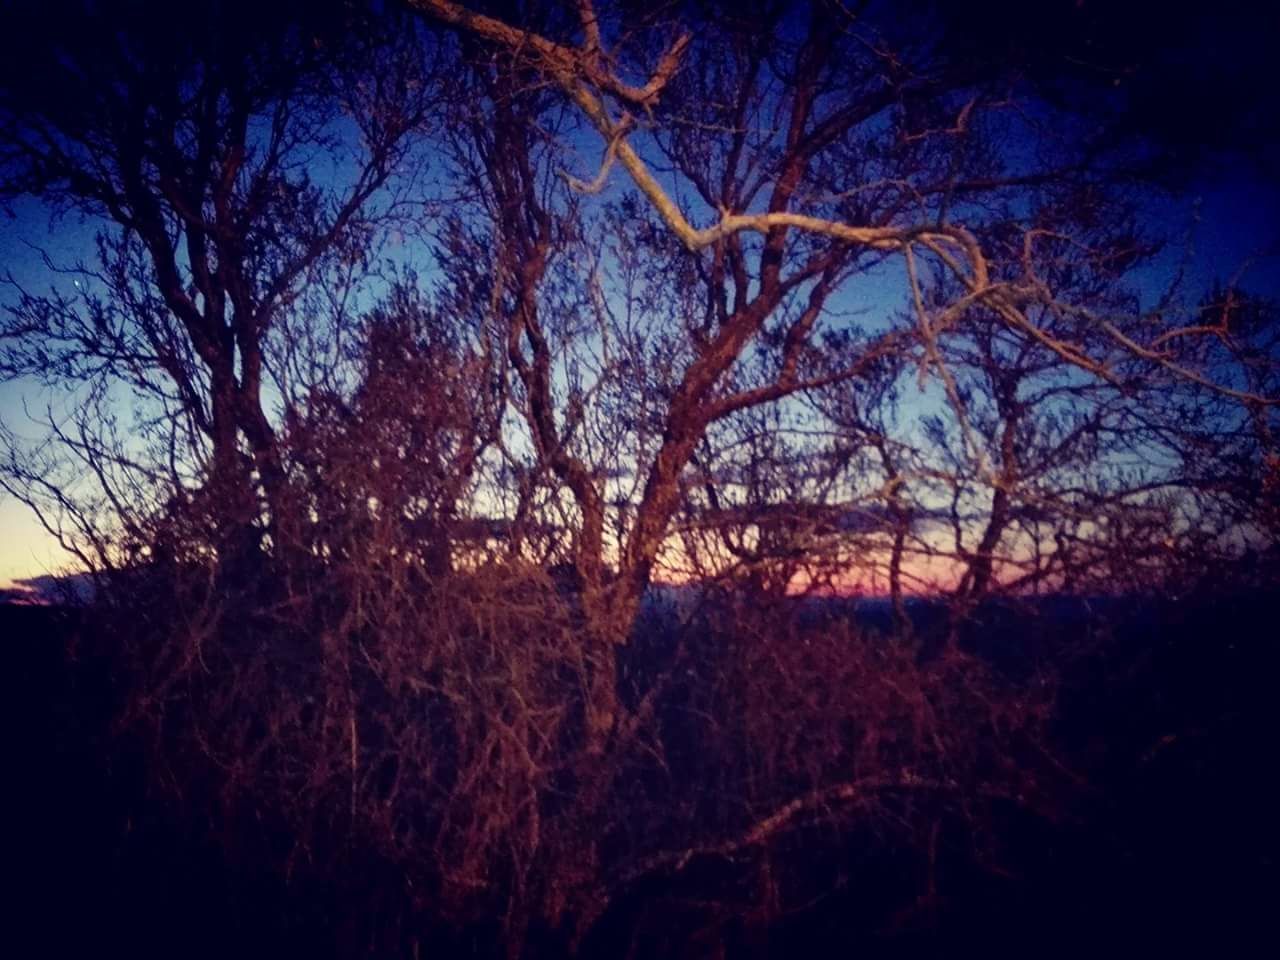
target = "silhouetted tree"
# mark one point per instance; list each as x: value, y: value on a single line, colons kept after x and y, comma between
x: 192, y: 140
x: 391, y: 428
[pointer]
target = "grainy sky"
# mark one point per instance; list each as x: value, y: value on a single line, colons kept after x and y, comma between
x: 1235, y: 218
x: 1201, y: 102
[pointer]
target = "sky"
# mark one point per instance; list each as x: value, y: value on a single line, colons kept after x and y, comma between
x: 1232, y: 203
x: 1236, y: 217
x: 26, y: 549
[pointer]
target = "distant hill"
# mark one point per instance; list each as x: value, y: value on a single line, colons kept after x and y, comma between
x: 49, y: 589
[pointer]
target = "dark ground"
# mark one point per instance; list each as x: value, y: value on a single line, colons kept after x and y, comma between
x: 1179, y: 852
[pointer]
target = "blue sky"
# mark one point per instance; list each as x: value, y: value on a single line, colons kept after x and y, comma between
x: 1230, y: 215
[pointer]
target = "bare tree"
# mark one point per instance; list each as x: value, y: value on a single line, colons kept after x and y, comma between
x: 192, y: 140
x: 861, y: 171
x: 858, y: 315
x: 824, y: 153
